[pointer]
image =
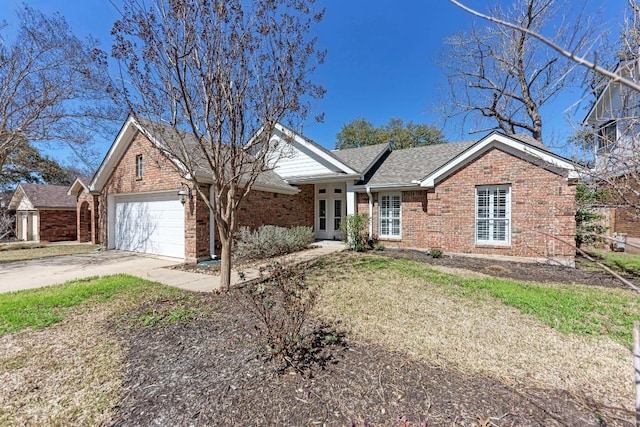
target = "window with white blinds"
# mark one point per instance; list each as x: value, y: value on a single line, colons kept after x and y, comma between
x: 390, y: 215
x: 493, y: 214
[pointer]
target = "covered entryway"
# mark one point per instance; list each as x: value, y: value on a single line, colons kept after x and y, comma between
x: 330, y: 201
x: 151, y: 223
x: 27, y: 226
x: 84, y: 223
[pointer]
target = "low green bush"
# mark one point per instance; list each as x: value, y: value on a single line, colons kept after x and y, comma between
x: 269, y: 241
x: 435, y: 253
x: 354, y: 231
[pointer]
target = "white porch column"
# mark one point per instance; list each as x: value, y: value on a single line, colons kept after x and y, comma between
x: 351, y: 199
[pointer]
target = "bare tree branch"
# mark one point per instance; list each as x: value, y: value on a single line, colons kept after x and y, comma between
x: 216, y: 77
x: 572, y: 55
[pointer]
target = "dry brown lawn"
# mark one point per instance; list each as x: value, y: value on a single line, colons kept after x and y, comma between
x: 20, y: 252
x: 72, y: 373
x: 443, y: 327
x: 67, y: 374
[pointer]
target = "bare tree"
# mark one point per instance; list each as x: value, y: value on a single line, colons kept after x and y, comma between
x: 500, y: 76
x: 53, y: 85
x: 220, y: 75
x: 565, y: 51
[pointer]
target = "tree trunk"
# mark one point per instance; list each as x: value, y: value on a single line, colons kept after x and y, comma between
x: 225, y: 262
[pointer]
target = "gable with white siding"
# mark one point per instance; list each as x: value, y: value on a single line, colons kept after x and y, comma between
x: 295, y: 156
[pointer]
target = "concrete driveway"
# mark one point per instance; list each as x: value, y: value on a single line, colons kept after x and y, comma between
x: 55, y: 270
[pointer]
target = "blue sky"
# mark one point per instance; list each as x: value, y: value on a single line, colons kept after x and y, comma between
x: 380, y: 58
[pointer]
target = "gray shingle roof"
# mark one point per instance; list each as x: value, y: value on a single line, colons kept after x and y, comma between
x: 48, y: 196
x: 406, y: 165
x: 167, y: 135
x: 526, y: 138
x: 360, y: 158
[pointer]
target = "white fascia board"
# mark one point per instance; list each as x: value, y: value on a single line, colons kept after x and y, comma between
x: 315, y: 149
x: 280, y: 190
x: 510, y: 145
x: 322, y: 179
x: 119, y: 146
x: 176, y: 162
x: 205, y: 178
x: 386, y: 187
x: 16, y: 198
x: 76, y: 187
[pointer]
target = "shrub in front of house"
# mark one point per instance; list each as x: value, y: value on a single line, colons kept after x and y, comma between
x: 435, y: 252
x: 269, y: 241
x: 354, y: 231
x: 281, y: 301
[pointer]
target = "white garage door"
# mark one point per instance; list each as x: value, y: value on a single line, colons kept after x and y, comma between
x: 152, y: 224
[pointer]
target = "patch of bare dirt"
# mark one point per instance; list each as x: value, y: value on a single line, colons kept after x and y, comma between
x: 532, y: 272
x: 204, y: 373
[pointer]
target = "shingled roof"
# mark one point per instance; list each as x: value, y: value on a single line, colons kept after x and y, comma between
x: 360, y: 158
x: 163, y: 134
x: 410, y: 164
x: 44, y: 196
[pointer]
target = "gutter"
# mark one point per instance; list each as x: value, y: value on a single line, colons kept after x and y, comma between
x: 368, y: 189
x: 385, y: 187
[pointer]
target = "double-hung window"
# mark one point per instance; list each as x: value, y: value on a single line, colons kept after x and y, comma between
x: 390, y: 215
x: 139, y: 166
x: 607, y: 136
x: 493, y: 214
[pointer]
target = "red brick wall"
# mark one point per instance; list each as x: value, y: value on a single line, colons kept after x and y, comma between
x: 283, y: 210
x: 87, y: 225
x: 542, y: 203
x: 159, y: 174
x: 57, y: 225
x: 626, y: 221
x: 197, y: 229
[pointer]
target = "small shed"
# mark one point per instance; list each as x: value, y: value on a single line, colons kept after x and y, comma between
x: 44, y: 213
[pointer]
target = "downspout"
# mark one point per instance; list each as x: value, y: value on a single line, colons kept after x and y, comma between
x: 370, y: 212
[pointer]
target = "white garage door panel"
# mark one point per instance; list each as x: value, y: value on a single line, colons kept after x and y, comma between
x: 151, y: 224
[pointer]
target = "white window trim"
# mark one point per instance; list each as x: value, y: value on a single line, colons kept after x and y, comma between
x: 490, y: 241
x: 139, y: 166
x: 389, y: 236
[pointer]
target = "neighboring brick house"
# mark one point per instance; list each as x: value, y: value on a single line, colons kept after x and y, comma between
x: 44, y: 213
x: 496, y: 196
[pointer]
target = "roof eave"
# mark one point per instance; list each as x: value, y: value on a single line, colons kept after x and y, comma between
x: 317, y: 179
x: 385, y: 187
x: 203, y: 177
x: 316, y: 148
x: 382, y: 152
x: 76, y: 187
x: 495, y: 139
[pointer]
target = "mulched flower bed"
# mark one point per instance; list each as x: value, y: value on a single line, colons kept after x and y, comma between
x: 533, y: 272
x: 205, y: 372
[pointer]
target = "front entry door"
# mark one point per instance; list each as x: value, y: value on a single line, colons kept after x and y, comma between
x: 330, y: 209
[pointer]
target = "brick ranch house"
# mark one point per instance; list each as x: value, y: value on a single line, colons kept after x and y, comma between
x: 44, y: 213
x: 499, y: 195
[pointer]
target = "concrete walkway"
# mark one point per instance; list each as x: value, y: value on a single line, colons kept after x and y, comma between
x: 55, y: 270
